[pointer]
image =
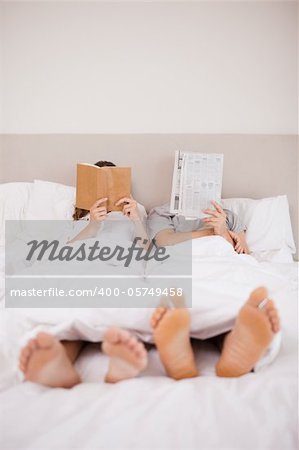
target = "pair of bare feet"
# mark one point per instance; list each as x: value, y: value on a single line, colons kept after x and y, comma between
x: 47, y: 361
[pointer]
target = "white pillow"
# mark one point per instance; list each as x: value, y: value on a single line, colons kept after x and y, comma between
x: 14, y: 198
x: 54, y: 201
x: 267, y: 220
x: 51, y: 201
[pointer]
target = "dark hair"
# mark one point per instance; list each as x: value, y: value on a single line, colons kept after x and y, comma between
x: 80, y: 213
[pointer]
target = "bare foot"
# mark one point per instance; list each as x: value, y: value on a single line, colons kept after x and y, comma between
x: 172, y: 338
x: 128, y: 356
x: 250, y: 337
x: 44, y: 360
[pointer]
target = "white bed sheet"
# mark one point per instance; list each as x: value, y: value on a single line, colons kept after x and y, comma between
x: 154, y: 412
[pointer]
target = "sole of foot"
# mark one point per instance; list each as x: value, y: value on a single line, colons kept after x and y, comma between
x: 128, y: 357
x: 251, y: 336
x: 171, y: 328
x: 44, y: 360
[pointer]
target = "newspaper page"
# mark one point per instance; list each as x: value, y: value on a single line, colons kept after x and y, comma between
x: 197, y: 179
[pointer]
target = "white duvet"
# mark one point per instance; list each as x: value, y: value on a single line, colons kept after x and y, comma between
x: 154, y: 412
x: 221, y: 282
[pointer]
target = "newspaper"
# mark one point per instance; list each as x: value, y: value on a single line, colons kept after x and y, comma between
x: 197, y: 179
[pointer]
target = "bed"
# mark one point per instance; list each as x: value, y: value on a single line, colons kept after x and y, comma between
x: 258, y: 410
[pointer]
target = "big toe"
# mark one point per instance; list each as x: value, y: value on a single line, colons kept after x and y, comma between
x: 257, y: 296
x: 45, y: 340
x: 115, y: 335
x: 157, y: 316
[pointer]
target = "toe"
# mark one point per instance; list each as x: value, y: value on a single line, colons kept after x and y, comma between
x: 156, y: 317
x: 269, y: 306
x: 275, y: 327
x: 44, y: 340
x: 123, y: 335
x: 112, y: 335
x: 26, y: 352
x: 273, y: 316
x: 32, y: 344
x: 257, y: 296
x: 275, y: 323
x: 178, y: 301
x: 132, y: 342
x: 139, y: 349
x: 23, y: 359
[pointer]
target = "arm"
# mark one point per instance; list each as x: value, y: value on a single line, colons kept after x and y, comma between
x: 98, y: 214
x: 170, y: 237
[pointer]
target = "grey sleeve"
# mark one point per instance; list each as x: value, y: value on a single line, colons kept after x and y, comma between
x: 159, y: 219
x: 233, y: 222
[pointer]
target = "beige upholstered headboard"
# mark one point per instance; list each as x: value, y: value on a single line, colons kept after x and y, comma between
x: 255, y: 166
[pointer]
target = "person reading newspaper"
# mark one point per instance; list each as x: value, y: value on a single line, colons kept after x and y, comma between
x: 193, y: 211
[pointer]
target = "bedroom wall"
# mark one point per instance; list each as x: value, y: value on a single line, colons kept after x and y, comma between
x: 1, y: 73
x: 150, y: 67
x: 124, y: 78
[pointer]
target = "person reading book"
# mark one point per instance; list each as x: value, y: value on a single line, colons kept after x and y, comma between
x: 166, y: 228
x: 127, y: 355
x: 125, y: 223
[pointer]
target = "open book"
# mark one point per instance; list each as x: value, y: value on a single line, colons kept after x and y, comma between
x: 197, y: 179
x: 95, y: 182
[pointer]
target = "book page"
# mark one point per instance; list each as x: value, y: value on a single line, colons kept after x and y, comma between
x: 118, y: 181
x: 91, y: 185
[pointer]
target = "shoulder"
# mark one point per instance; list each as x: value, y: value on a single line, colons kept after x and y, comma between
x: 161, y: 211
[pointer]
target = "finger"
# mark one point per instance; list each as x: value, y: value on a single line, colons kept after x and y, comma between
x: 102, y: 208
x: 128, y: 210
x: 217, y: 207
x: 100, y: 214
x: 210, y: 220
x: 99, y: 202
x: 237, y: 248
x: 124, y: 200
x: 99, y: 218
x: 212, y: 213
x: 129, y: 206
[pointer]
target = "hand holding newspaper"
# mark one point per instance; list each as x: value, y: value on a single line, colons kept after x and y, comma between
x: 197, y: 179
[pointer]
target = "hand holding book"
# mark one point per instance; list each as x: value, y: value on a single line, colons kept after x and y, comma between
x: 98, y: 211
x: 130, y: 208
